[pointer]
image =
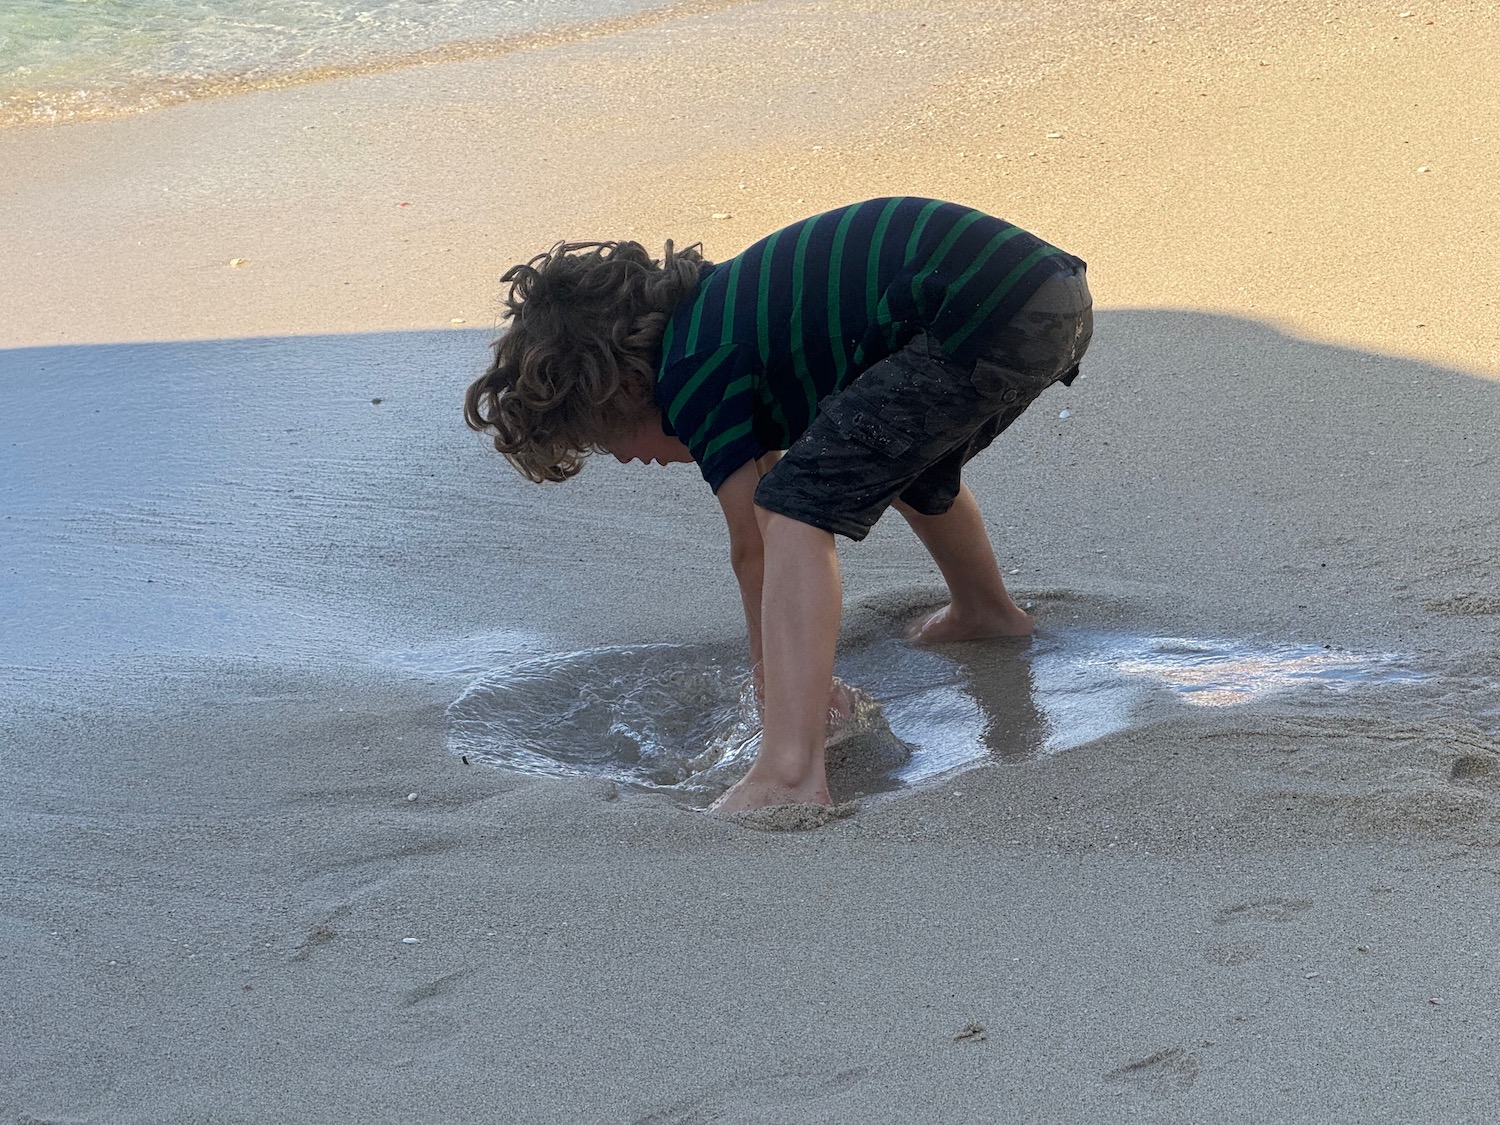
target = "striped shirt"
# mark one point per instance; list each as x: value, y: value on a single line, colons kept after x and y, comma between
x: 797, y: 316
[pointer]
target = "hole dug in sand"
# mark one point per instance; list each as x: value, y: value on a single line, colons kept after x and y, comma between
x: 680, y: 719
x: 665, y: 717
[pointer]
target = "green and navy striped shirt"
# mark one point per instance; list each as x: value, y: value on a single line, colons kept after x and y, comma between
x: 797, y: 316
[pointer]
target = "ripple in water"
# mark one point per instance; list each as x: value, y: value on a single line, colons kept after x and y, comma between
x: 67, y: 59
x: 655, y: 715
x: 681, y: 718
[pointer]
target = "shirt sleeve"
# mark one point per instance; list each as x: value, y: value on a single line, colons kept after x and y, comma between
x: 709, y: 401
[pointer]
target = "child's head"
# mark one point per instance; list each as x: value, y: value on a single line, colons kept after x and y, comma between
x: 577, y: 364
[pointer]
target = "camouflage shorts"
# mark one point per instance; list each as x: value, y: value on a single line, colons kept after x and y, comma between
x: 905, y: 428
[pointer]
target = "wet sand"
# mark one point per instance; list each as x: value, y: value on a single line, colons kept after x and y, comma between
x: 240, y: 598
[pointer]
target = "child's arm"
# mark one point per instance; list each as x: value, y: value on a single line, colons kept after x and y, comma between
x: 746, y: 551
x: 747, y: 556
x: 800, y: 608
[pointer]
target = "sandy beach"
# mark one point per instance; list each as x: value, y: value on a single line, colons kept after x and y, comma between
x: 1225, y: 842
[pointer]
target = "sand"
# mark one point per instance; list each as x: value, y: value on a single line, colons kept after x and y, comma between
x: 239, y: 599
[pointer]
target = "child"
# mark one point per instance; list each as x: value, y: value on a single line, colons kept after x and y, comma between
x: 850, y: 362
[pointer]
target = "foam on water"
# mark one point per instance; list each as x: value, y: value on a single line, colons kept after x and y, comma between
x: 679, y: 718
x: 62, y: 59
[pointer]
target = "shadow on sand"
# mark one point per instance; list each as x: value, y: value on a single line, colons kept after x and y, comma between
x: 318, y: 498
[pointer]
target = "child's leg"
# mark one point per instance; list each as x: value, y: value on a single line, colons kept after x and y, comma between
x: 799, y: 631
x: 979, y: 607
x: 1040, y: 345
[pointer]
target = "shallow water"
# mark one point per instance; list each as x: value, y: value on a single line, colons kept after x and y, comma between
x: 653, y: 715
x: 61, y: 59
x: 677, y: 718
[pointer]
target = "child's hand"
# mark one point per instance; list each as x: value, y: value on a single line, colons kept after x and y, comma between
x: 840, y: 706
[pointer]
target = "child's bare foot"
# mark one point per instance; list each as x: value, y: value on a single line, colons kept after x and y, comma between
x: 760, y: 789
x: 947, y: 625
x: 767, y: 785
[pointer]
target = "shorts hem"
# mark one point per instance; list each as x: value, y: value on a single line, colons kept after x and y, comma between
x: 943, y: 507
x: 853, y: 530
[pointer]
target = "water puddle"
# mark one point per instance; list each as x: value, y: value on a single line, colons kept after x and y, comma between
x: 680, y: 718
x: 660, y: 716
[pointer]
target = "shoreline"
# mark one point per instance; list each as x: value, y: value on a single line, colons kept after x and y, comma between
x: 27, y: 108
x: 392, y: 201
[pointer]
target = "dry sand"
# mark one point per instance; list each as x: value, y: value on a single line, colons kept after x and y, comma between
x: 240, y: 597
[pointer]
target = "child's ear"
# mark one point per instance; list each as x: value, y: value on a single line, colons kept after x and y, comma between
x: 639, y: 391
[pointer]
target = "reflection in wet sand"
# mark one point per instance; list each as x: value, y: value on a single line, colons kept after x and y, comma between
x: 1221, y: 674
x: 680, y: 718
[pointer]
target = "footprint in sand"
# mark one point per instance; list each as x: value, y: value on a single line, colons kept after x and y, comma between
x: 1231, y: 956
x: 1158, y: 1074
x: 1266, y: 910
x: 790, y: 1095
x: 1476, y: 769
x: 320, y: 934
x: 434, y: 988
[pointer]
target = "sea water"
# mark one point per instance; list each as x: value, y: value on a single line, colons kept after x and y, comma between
x: 679, y: 718
x: 66, y: 59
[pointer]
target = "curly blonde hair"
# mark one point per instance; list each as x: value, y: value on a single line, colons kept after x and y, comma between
x: 577, y: 364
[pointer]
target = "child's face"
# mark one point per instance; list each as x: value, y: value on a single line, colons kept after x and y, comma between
x: 649, y: 444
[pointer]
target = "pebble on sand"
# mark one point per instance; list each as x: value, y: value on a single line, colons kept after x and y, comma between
x: 410, y: 940
x: 411, y: 796
x: 1065, y: 414
x: 721, y: 215
x: 236, y: 263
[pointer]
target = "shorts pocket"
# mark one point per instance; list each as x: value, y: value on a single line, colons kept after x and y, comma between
x: 1007, y: 388
x: 855, y: 422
